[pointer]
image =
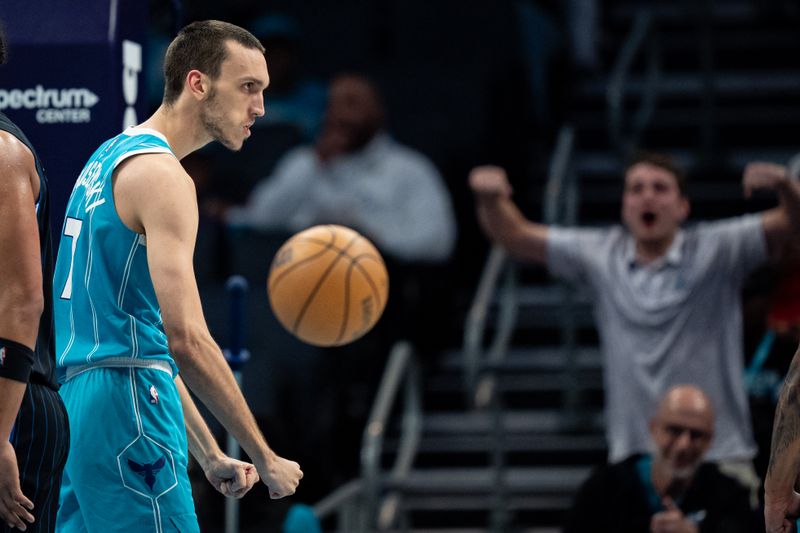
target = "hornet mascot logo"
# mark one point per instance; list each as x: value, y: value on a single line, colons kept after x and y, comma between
x: 148, y: 471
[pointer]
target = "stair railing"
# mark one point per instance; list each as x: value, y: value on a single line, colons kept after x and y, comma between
x: 626, y: 131
x: 401, y: 369
x: 346, y: 504
x: 480, y: 365
x: 359, y: 505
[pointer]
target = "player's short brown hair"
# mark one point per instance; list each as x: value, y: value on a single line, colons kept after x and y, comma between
x: 201, y: 46
x: 661, y: 160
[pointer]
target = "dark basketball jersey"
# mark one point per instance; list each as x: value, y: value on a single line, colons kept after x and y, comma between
x: 43, y: 371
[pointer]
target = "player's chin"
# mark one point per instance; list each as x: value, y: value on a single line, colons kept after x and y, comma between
x: 684, y: 469
x: 649, y: 233
x: 234, y: 145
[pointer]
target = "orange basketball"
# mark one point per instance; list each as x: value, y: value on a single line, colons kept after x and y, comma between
x: 328, y: 285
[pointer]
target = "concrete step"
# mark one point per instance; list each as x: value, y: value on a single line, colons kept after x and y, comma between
x: 533, y: 383
x: 543, y: 423
x: 576, y: 446
x: 536, y: 486
x: 755, y: 115
x: 483, y: 502
x: 531, y: 359
x: 767, y: 83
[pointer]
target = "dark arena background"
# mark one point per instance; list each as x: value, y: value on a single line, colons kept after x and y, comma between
x: 476, y: 403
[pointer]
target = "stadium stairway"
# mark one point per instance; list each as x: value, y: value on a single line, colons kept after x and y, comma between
x: 500, y: 434
x: 504, y: 430
x: 506, y: 461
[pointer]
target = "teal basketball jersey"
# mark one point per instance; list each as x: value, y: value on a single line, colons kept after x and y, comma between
x: 106, y: 312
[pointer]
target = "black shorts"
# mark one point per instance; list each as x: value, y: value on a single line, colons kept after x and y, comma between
x: 41, y: 440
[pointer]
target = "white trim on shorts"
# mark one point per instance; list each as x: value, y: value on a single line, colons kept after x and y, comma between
x: 121, y: 362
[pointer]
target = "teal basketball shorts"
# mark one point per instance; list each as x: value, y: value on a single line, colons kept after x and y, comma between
x: 126, y: 469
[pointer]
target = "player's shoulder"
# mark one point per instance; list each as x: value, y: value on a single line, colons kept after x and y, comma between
x: 18, y: 164
x: 154, y: 174
x: 14, y: 153
x: 152, y: 167
x: 154, y: 162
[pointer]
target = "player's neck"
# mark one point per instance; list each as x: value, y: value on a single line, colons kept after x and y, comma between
x: 666, y: 482
x: 651, y: 250
x: 180, y: 126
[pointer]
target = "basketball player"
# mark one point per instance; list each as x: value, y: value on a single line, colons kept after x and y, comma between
x: 128, y: 311
x: 34, y: 435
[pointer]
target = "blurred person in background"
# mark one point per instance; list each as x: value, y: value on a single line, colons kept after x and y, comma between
x: 358, y: 176
x: 671, y: 489
x: 667, y: 299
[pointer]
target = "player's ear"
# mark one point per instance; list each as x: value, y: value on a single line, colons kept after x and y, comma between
x: 198, y: 84
x: 686, y: 208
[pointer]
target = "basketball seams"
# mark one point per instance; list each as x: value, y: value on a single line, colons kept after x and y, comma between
x: 319, y: 283
x: 332, y: 243
x: 374, y: 286
x: 354, y: 260
x: 316, y: 294
x: 329, y: 246
x: 355, y: 264
x: 346, y: 311
x: 313, y: 293
x: 326, y: 246
x: 296, y: 265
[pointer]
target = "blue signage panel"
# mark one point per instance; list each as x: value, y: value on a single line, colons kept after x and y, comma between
x: 74, y: 77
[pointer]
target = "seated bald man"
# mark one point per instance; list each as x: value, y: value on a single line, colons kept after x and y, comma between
x: 671, y: 489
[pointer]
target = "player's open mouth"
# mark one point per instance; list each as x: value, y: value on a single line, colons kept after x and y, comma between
x: 648, y: 218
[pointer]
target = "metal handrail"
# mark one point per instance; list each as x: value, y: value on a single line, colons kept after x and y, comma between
x: 560, y: 180
x: 344, y: 502
x: 356, y: 503
x: 401, y: 366
x: 560, y: 206
x: 641, y: 33
x: 485, y: 389
x: 477, y: 316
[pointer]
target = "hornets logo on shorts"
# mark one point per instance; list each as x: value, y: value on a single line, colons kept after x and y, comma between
x: 148, y: 471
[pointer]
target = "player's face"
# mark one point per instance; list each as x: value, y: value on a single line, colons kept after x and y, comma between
x: 353, y: 110
x: 652, y: 205
x: 236, y: 97
x: 682, y: 437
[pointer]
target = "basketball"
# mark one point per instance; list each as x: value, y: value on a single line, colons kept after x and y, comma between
x: 328, y: 285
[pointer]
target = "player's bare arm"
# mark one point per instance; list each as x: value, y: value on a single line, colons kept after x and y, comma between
x: 21, y: 304
x: 780, y: 498
x: 155, y: 196
x: 502, y: 220
x: 230, y: 477
x: 783, y: 221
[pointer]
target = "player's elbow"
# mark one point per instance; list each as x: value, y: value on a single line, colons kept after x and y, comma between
x: 186, y: 343
x: 22, y: 302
